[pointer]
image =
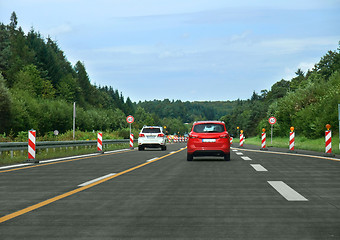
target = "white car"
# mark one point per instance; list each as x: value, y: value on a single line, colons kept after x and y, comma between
x: 151, y: 137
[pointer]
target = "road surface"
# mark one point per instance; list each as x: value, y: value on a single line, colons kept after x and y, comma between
x: 156, y: 194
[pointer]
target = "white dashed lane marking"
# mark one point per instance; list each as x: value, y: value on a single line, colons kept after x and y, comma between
x: 151, y: 159
x: 246, y: 158
x: 96, y: 180
x: 287, y: 192
x: 239, y: 153
x: 259, y: 167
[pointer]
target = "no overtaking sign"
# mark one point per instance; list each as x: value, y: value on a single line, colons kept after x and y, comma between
x: 272, y: 120
x: 130, y: 119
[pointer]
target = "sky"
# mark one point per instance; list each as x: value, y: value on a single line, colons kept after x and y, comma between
x: 189, y: 50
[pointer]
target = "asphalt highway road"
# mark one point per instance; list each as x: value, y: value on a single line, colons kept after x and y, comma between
x: 157, y: 194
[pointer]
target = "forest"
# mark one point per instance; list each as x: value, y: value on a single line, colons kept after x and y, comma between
x: 38, y: 86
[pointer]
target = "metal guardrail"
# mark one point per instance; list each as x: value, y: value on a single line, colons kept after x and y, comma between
x: 16, y: 146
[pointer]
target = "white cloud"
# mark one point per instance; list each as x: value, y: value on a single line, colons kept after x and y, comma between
x: 61, y: 29
x: 292, y: 45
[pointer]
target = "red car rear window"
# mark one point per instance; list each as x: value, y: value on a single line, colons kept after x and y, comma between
x: 208, y: 128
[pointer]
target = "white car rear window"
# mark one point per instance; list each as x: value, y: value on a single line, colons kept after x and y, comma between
x: 151, y: 130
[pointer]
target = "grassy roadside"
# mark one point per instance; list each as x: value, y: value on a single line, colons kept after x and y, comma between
x: 21, y: 156
x: 301, y: 143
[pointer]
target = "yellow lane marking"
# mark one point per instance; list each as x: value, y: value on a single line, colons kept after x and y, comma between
x: 291, y: 154
x: 64, y: 195
x: 61, y: 161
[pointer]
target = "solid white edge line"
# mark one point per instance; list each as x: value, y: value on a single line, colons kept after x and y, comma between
x: 79, y: 156
x: 66, y: 158
x: 60, y: 159
x: 17, y: 165
x: 292, y: 154
x: 96, y: 180
x: 259, y: 168
x: 246, y: 158
x: 119, y: 150
x: 287, y: 192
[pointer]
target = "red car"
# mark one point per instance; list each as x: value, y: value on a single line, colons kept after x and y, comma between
x: 208, y: 138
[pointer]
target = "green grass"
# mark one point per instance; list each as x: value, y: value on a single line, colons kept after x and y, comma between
x: 301, y: 143
x: 42, y: 154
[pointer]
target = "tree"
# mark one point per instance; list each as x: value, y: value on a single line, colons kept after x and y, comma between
x: 14, y: 21
x: 5, y: 105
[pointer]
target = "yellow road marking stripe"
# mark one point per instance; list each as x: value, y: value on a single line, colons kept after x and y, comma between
x: 61, y: 161
x: 64, y: 195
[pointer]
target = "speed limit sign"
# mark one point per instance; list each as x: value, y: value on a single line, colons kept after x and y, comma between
x: 272, y: 120
x: 130, y: 119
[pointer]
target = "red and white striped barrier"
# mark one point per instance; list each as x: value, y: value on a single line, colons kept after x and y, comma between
x: 131, y: 140
x: 263, y: 140
x: 241, y: 140
x: 100, y: 141
x: 31, y: 145
x: 169, y: 139
x: 231, y: 140
x: 175, y: 139
x: 291, y: 141
x: 328, y: 141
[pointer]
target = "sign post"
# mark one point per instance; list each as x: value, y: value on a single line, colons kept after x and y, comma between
x: 272, y: 121
x: 74, y: 120
x: 130, y: 119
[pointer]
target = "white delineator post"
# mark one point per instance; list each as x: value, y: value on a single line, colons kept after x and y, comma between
x: 31, y: 145
x: 263, y: 139
x: 328, y: 140
x: 131, y: 140
x: 100, y: 141
x: 241, y: 139
x: 291, y: 141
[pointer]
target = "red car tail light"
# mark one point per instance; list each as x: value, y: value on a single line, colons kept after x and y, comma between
x: 224, y: 136
x: 141, y: 135
x: 161, y: 135
x: 193, y: 136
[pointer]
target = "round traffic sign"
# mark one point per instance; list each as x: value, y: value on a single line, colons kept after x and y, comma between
x: 130, y: 119
x: 272, y: 120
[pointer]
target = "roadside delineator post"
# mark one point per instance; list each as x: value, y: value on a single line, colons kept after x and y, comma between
x: 31, y: 146
x: 291, y: 140
x: 241, y: 139
x: 131, y: 140
x: 263, y: 140
x: 231, y: 140
x: 100, y: 142
x: 328, y: 141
